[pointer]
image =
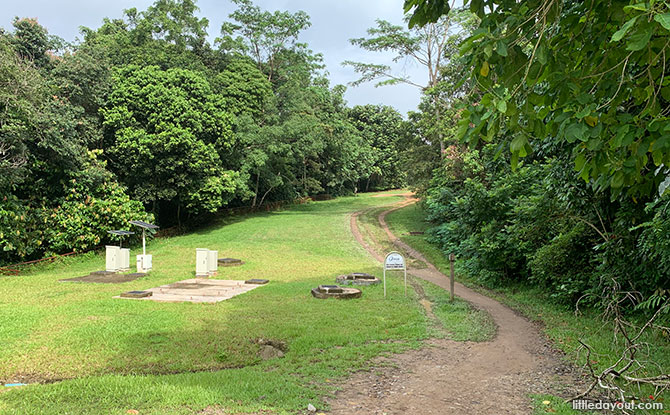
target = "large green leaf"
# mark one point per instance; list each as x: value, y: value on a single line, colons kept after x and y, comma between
x: 619, y: 34
x: 664, y: 20
x: 576, y: 131
x: 639, y: 40
x: 518, y: 144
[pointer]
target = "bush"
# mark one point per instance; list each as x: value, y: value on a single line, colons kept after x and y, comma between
x: 93, y: 204
x: 564, y: 265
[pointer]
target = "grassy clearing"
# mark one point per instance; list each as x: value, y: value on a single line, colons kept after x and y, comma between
x: 172, y: 358
x: 560, y: 323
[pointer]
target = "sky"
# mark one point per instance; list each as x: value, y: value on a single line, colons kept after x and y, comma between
x: 334, y: 22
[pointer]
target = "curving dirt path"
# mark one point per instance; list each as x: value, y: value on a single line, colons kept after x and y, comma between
x: 449, y: 377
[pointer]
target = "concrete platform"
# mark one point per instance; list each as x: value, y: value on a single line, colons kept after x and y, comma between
x: 197, y: 290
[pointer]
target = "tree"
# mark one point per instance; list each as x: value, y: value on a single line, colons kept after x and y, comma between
x: 381, y: 127
x: 244, y: 87
x: 20, y: 96
x: 263, y: 35
x: 32, y: 42
x: 167, y: 133
x: 424, y: 45
x: 168, y: 34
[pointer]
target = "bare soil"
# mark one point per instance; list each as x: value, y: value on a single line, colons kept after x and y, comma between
x: 107, y: 278
x: 449, y: 377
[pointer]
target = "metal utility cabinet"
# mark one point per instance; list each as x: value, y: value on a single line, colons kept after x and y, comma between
x: 112, y: 258
x: 202, y: 262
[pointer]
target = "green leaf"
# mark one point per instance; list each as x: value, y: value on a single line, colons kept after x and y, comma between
x: 664, y: 20
x: 639, y: 40
x: 580, y: 161
x: 518, y: 143
x: 657, y: 155
x: 542, y: 54
x: 638, y: 6
x: 619, y: 34
x: 501, y: 48
x: 463, y: 126
x: 583, y: 113
x: 575, y: 131
x: 585, y: 174
x: 617, y: 180
x: 502, y: 106
x: 488, y: 50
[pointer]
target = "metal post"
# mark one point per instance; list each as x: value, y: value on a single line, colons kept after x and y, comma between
x: 144, y: 242
x: 384, y: 282
x: 405, y: 281
x: 452, y: 257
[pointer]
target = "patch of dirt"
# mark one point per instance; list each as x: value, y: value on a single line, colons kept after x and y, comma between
x: 106, y: 278
x: 271, y: 349
x: 408, y: 194
x: 449, y: 377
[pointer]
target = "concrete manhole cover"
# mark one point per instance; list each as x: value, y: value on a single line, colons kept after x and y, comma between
x: 357, y: 278
x: 137, y: 294
x: 335, y: 291
x: 230, y: 262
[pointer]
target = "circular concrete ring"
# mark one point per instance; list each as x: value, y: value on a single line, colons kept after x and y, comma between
x: 347, y: 293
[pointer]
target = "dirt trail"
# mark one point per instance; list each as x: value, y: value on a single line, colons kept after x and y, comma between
x: 449, y: 377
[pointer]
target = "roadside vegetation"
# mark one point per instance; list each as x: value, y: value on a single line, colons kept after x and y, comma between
x: 561, y: 323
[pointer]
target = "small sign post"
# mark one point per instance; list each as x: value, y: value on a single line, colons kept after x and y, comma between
x: 452, y: 258
x: 394, y: 261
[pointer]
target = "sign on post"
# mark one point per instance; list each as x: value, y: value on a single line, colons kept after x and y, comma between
x: 394, y: 261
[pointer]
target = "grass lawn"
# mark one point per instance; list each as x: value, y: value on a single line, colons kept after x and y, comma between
x: 107, y: 355
x: 560, y: 323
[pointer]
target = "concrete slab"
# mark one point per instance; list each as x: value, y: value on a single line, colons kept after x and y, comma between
x: 197, y: 290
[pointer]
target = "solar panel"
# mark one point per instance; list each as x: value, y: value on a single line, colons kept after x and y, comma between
x: 143, y: 224
x: 121, y: 233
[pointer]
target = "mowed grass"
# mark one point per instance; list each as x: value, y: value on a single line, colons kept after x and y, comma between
x: 168, y: 358
x: 560, y: 323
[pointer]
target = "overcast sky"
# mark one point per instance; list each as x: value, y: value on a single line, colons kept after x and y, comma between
x: 334, y: 22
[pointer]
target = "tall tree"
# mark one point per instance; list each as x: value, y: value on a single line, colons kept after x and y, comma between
x: 263, y: 35
x: 426, y: 46
x: 381, y: 127
x: 167, y: 133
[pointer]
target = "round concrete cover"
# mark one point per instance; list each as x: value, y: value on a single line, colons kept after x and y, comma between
x: 342, y: 293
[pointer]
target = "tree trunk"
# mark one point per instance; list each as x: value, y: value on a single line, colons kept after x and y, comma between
x: 258, y: 177
x: 440, y: 137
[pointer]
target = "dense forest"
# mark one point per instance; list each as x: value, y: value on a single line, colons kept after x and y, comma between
x: 145, y: 119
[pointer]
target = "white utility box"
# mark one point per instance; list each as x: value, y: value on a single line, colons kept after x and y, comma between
x: 212, y: 262
x: 113, y: 258
x: 201, y: 262
x: 143, y: 263
x: 124, y: 263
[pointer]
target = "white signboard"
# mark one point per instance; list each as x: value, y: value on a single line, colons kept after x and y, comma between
x: 394, y: 261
